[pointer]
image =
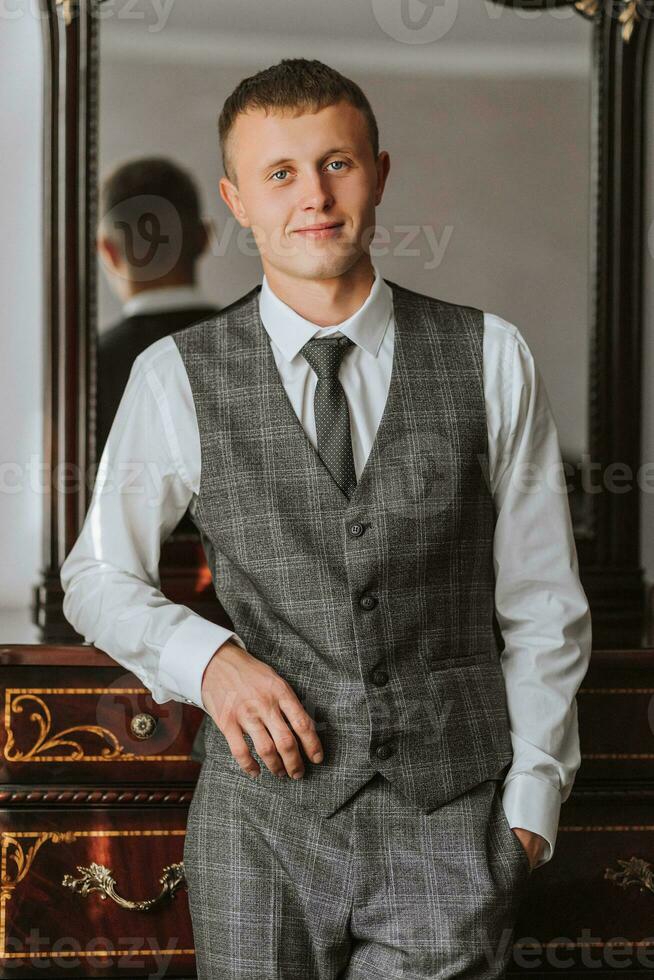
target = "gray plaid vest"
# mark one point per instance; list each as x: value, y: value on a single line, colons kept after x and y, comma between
x: 378, y: 610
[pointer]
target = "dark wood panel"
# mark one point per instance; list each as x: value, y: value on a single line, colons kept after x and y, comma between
x: 616, y: 718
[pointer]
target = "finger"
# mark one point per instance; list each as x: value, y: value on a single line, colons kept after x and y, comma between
x: 240, y: 751
x: 265, y: 745
x: 304, y: 726
x: 285, y: 742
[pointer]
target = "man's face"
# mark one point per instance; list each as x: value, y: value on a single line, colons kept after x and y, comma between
x: 295, y: 171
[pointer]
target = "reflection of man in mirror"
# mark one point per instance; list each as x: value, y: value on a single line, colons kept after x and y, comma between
x: 150, y: 237
x: 410, y: 630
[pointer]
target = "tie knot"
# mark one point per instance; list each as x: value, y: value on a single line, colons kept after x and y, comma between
x: 325, y: 354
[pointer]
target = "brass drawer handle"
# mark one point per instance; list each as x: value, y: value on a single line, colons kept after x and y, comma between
x: 143, y: 725
x: 97, y: 878
x: 635, y: 871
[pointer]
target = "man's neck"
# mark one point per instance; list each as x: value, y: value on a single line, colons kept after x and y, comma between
x: 134, y: 288
x: 325, y: 302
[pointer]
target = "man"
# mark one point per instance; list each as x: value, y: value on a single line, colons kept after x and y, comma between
x: 150, y: 238
x: 351, y: 451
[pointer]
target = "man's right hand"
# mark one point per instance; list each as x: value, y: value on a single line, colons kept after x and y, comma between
x: 243, y: 694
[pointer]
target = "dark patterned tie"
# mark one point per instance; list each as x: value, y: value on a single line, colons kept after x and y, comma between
x: 331, y: 410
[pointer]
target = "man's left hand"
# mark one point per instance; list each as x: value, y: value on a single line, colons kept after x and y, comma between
x: 533, y: 844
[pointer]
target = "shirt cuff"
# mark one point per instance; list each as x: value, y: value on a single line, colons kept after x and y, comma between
x: 534, y: 804
x: 186, y: 654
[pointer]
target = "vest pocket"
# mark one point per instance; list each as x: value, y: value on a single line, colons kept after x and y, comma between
x: 447, y: 663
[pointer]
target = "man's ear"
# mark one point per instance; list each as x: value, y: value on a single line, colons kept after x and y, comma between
x: 232, y: 198
x: 108, y: 251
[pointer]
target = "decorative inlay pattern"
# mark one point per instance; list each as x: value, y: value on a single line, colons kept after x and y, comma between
x: 59, y: 746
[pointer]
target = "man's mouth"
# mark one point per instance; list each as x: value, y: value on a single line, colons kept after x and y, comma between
x: 325, y: 230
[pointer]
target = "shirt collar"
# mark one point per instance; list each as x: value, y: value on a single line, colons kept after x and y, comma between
x: 163, y: 299
x: 290, y: 331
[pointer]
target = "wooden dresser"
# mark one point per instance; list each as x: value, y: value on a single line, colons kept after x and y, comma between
x: 591, y: 909
x: 96, y: 783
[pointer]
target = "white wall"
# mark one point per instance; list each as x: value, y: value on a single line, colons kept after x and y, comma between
x: 21, y: 335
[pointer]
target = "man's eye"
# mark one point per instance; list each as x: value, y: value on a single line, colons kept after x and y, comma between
x: 284, y: 171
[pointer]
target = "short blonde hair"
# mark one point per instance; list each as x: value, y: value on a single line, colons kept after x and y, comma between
x: 293, y: 83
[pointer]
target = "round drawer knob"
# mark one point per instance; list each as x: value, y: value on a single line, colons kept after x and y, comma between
x: 143, y: 725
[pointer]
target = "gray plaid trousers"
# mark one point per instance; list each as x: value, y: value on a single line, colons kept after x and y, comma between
x: 378, y: 891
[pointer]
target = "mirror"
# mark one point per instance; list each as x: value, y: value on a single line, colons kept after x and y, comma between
x: 528, y: 161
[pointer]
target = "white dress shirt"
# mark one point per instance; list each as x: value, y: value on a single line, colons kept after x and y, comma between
x: 165, y: 298
x: 149, y: 474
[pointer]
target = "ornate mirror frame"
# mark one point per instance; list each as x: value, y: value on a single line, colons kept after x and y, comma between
x: 607, y: 525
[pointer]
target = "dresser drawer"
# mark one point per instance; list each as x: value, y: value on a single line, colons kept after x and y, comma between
x: 591, y: 908
x: 56, y: 867
x: 90, y: 724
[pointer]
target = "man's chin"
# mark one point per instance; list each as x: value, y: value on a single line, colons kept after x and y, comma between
x: 328, y: 265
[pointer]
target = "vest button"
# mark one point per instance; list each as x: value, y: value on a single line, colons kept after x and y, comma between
x: 384, y: 751
x: 379, y: 677
x: 356, y: 529
x: 367, y: 602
